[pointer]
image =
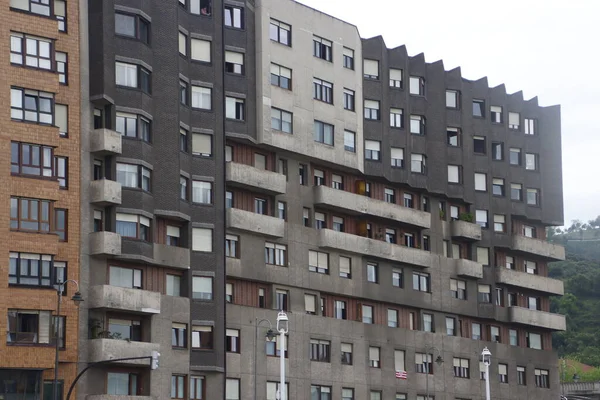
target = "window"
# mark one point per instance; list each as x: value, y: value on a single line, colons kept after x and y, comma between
x: 319, y: 177
x: 133, y: 76
x: 529, y: 126
x: 495, y: 334
x: 367, y: 314
x: 32, y: 327
x: 323, y: 133
x: 348, y: 99
x: 521, y: 376
x: 173, y: 285
x: 389, y: 195
x: 232, y: 389
x: 450, y: 326
x: 516, y: 191
x: 338, y: 224
x: 60, y: 223
x: 183, y: 188
x: 41, y: 7
x: 452, y: 99
x: 417, y: 86
x: 31, y: 51
x: 478, y: 108
x: 232, y: 341
x: 310, y: 304
x: 453, y: 137
x: 498, y: 187
x: 35, y: 270
x: 345, y: 267
x: 499, y: 223
x: 417, y: 124
x: 32, y: 106
x: 229, y: 292
x: 98, y: 221
x: 122, y: 383
x: 510, y: 262
x: 133, y: 126
x: 374, y: 361
x: 418, y: 163
x: 542, y: 379
x: 179, y: 335
x: 201, y: 144
x: 132, y: 26
x: 30, y: 214
x: 513, y: 337
x: 480, y: 182
x: 202, y: 288
x: 31, y: 159
x: 260, y: 206
x: 234, y: 108
x: 202, y: 239
x: 182, y: 43
x: 481, y: 218
x: 479, y: 144
x: 372, y: 150
x: 515, y: 156
x: 323, y: 91
x: 281, y: 210
x: 349, y: 141
x: 280, y: 32
x: 484, y: 294
x: 396, y: 118
x: 125, y: 277
x: 320, y: 350
x: 337, y: 182
x: 531, y: 162
x: 375, y: 395
x: 202, y: 337
x: 497, y: 151
x: 201, y: 97
x: 421, y: 281
x: 458, y: 289
x: 346, y: 353
x: 423, y: 363
x: 454, y: 173
x: 347, y: 394
x: 428, y: 323
x: 197, y: 391
x: 200, y: 50
x: 302, y: 169
x: 401, y: 396
x: 318, y: 262
x: 483, y: 255
x: 530, y: 267
x: 348, y: 58
x: 533, y: 197
x: 372, y: 273
x: 234, y: 17
x: 475, y: 331
x: 234, y: 62
x: 514, y: 120
x: 534, y: 340
x: 396, y: 78
x: 281, y: 120
x: 454, y: 212
x: 496, y: 114
x: 512, y: 299
x: 134, y: 176
x: 273, y: 388
x: 529, y: 231
x: 392, y: 318
x: 232, y: 247
x: 399, y: 364
x: 397, y: 155
x: 281, y: 76
x: 371, y: 69
x: 202, y: 192
x: 371, y: 109
x: 228, y: 199
x: 390, y: 236
x: 461, y: 367
x: 322, y: 48
x: 320, y: 392
x: 275, y: 254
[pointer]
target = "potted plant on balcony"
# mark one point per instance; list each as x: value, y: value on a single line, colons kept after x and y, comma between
x: 467, y: 217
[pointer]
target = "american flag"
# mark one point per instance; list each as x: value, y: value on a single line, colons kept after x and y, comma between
x: 401, y: 374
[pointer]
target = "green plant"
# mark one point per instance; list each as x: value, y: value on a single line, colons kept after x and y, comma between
x: 442, y: 214
x: 467, y: 217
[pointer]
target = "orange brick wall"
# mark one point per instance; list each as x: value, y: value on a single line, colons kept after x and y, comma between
x: 25, y: 298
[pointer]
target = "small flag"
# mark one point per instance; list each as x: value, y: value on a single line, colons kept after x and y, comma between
x: 401, y: 374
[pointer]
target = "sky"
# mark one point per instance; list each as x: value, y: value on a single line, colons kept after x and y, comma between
x: 545, y: 48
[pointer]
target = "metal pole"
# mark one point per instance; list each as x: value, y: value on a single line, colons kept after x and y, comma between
x: 282, y: 365
x: 56, y: 344
x: 564, y: 377
x: 255, y: 353
x: 487, y: 381
x: 427, y: 375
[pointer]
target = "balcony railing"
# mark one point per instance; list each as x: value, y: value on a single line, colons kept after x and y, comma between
x: 255, y: 179
x: 529, y: 281
x: 124, y: 299
x: 104, y: 192
x: 255, y: 223
x: 541, y: 248
x: 468, y: 268
x: 465, y: 230
x: 105, y: 349
x: 105, y: 142
x: 542, y: 319
x: 105, y: 243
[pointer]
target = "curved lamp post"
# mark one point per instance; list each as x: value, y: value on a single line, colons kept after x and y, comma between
x: 270, y: 336
x: 564, y: 375
x: 77, y: 298
x: 486, y: 358
x: 282, y: 328
x: 438, y: 360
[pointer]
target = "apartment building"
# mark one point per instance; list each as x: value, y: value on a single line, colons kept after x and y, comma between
x: 39, y: 171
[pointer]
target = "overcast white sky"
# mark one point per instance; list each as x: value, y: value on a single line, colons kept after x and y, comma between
x: 546, y: 48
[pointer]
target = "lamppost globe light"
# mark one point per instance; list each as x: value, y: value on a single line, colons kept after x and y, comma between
x: 486, y: 356
x: 270, y: 335
x: 282, y: 322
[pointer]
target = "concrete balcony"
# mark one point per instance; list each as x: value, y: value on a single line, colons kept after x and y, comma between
x: 124, y: 299
x: 255, y: 223
x: 105, y: 192
x: 105, y: 142
x: 541, y: 248
x: 465, y: 230
x: 529, y: 281
x: 117, y: 397
x: 357, y: 204
x: 106, y: 349
x: 468, y: 268
x: 258, y: 180
x: 171, y: 256
x: 105, y: 243
x: 328, y: 238
x: 542, y: 319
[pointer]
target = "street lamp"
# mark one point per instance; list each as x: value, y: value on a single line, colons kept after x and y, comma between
x: 282, y: 327
x: 486, y: 357
x: 77, y: 298
x: 270, y: 336
x: 564, y: 375
x: 438, y: 360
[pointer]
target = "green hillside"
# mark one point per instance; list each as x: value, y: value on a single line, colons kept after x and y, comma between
x: 581, y: 303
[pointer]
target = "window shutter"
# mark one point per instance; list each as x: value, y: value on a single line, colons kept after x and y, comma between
x: 61, y: 112
x: 371, y: 67
x: 233, y: 332
x: 372, y: 104
x: 202, y: 284
x: 344, y: 265
x: 399, y: 360
x: 309, y: 303
x: 484, y: 289
x: 127, y: 217
x: 233, y: 57
x: 373, y: 353
x: 201, y: 239
x: 348, y: 52
x: 346, y: 348
x: 496, y: 109
x: 201, y: 50
x: 480, y: 182
x: 44, y: 327
x: 323, y: 260
x: 201, y: 144
x: 229, y: 289
x: 232, y: 389
x: 502, y: 370
x: 372, y: 145
x: 513, y: 118
x: 173, y: 231
x: 453, y: 175
x: 483, y: 255
x: 145, y: 221
x: 396, y: 74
